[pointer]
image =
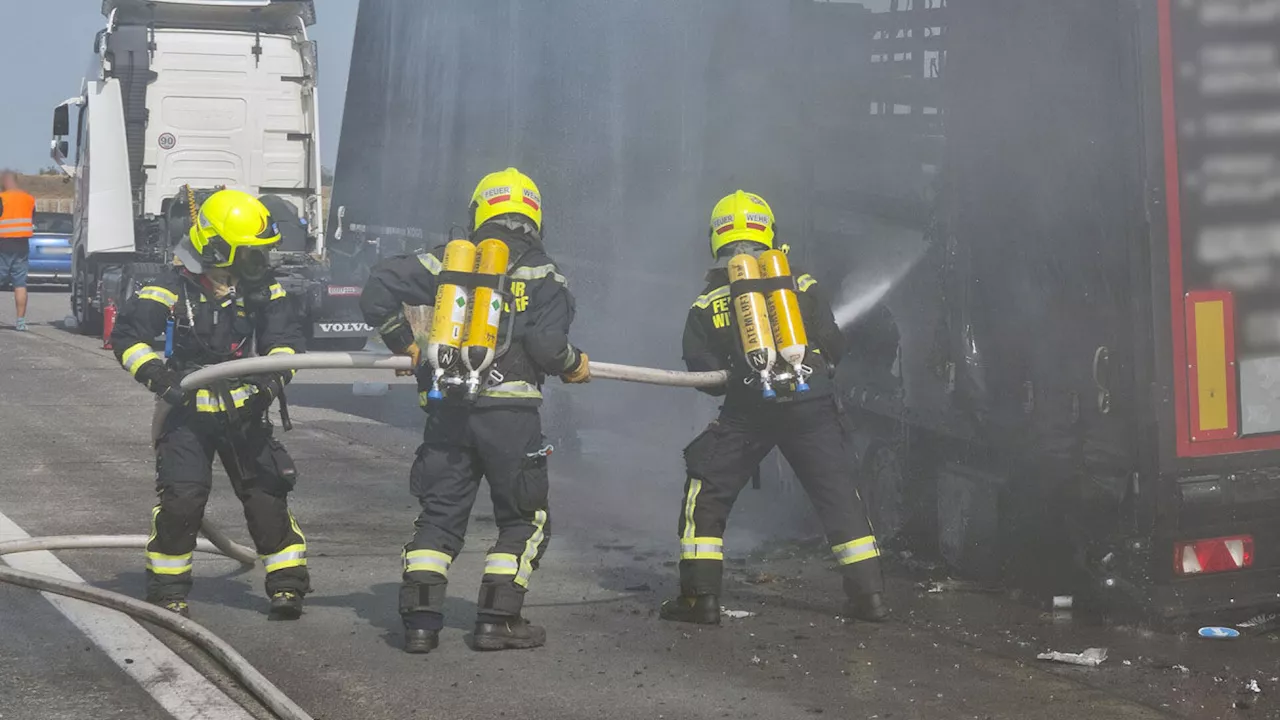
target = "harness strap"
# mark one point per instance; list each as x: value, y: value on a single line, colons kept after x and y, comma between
x: 762, y: 285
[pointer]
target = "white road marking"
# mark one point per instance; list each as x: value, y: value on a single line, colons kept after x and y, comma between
x: 178, y: 688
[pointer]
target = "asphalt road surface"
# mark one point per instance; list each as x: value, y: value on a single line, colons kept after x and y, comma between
x: 75, y: 458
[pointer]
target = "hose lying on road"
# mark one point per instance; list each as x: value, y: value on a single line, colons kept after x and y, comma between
x: 268, y: 694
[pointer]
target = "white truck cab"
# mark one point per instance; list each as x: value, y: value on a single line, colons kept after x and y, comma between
x: 184, y: 97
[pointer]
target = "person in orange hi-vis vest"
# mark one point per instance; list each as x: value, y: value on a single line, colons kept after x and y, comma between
x: 16, y: 209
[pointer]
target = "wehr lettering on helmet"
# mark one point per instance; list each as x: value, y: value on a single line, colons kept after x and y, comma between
x: 722, y: 224
x: 496, y: 195
x: 757, y: 221
x: 532, y: 200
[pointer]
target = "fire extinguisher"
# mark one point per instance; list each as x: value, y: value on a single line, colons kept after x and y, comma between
x: 108, y: 323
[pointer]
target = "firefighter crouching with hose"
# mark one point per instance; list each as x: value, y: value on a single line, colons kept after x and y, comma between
x: 480, y: 380
x: 778, y: 339
x: 218, y: 302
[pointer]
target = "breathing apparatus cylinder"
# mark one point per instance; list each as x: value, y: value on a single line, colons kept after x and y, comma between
x: 450, y: 315
x: 486, y: 313
x: 784, y: 314
x: 754, y: 329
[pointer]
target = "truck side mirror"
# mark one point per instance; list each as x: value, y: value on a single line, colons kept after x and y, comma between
x: 63, y: 148
x: 61, y: 122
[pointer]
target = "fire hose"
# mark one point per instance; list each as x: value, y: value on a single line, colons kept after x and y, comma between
x: 268, y: 694
x: 218, y: 543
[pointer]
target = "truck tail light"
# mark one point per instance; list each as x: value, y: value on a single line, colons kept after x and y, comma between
x: 1213, y: 555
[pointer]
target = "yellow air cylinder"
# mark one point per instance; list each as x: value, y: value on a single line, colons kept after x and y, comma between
x: 486, y: 313
x: 784, y: 315
x: 450, y: 314
x: 752, y: 314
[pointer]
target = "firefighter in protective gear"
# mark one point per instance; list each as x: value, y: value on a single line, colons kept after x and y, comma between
x: 219, y: 301
x: 809, y: 428
x: 498, y: 435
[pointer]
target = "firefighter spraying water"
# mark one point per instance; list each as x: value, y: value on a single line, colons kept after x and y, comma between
x: 770, y: 310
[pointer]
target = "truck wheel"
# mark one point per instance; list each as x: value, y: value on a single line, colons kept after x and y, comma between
x: 88, y: 319
x: 140, y: 274
x: 884, y: 484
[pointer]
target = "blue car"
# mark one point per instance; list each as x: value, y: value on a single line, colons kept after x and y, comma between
x: 50, y: 260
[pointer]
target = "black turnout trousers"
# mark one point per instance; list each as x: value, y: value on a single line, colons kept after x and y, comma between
x: 261, y: 479
x: 461, y: 444
x: 814, y: 437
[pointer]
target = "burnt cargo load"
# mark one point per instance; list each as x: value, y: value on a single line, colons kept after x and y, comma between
x: 1061, y: 360
x: 1085, y: 395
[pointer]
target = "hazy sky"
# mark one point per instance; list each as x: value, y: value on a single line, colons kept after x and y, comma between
x: 48, y: 45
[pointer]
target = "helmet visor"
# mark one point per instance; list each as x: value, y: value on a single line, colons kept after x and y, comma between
x: 223, y: 254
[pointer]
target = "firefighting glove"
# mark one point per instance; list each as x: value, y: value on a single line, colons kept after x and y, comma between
x: 414, y: 353
x: 580, y: 372
x: 166, y: 384
x: 269, y: 386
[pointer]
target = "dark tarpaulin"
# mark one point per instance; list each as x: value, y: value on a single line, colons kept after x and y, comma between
x: 633, y: 116
x: 1045, y: 213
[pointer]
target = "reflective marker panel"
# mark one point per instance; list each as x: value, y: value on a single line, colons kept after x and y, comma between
x: 1213, y: 555
x: 1211, y: 371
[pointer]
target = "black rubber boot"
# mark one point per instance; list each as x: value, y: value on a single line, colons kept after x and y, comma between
x: 177, y: 607
x: 868, y: 608
x: 699, y: 609
x: 513, y: 634
x: 420, y: 642
x: 285, y: 605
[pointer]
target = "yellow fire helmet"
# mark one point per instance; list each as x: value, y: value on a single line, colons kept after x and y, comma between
x: 501, y: 193
x: 229, y: 221
x: 739, y: 217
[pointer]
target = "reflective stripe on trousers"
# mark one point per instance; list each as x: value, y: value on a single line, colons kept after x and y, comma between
x: 854, y: 551
x: 501, y: 564
x: 162, y: 564
x: 531, y: 548
x: 292, y: 556
x: 702, y: 548
x: 427, y: 561
x: 693, y: 547
x: 690, y: 502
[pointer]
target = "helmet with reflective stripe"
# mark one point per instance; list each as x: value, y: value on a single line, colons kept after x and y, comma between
x: 741, y: 217
x: 503, y: 193
x: 229, y: 221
